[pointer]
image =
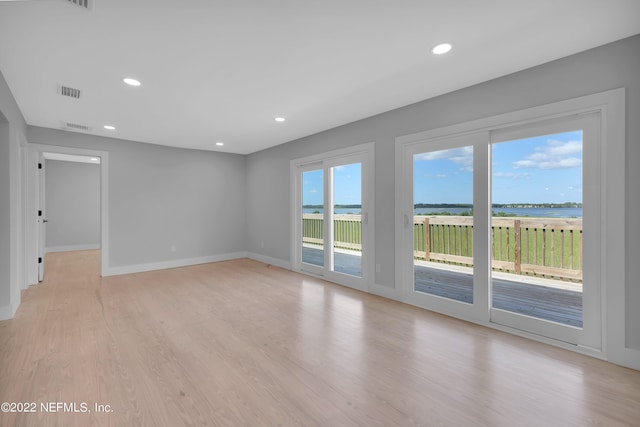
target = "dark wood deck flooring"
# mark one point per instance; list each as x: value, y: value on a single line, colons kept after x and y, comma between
x: 543, y: 302
x: 343, y: 262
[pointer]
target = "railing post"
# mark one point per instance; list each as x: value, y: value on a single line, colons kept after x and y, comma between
x: 517, y: 247
x: 427, y: 243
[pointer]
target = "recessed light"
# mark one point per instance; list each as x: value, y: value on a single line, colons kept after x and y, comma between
x: 219, y: 143
x: 441, y: 48
x: 280, y: 119
x: 131, y: 82
x: 109, y: 127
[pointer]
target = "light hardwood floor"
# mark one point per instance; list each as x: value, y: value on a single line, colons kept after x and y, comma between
x: 240, y: 343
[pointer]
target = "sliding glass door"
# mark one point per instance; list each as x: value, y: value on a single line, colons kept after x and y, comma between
x: 443, y: 222
x: 442, y: 261
x: 312, y: 211
x: 544, y: 229
x: 502, y: 226
x: 346, y: 218
x: 333, y: 235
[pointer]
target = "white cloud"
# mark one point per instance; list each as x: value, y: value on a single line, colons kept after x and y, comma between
x: 570, y: 162
x: 555, y: 155
x: 462, y: 156
x: 559, y: 148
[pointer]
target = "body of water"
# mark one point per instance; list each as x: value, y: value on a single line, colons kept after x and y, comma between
x: 354, y: 211
x: 531, y: 212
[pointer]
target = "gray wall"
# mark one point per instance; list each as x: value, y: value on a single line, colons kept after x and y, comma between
x: 12, y: 273
x: 72, y: 205
x: 161, y: 197
x: 607, y: 67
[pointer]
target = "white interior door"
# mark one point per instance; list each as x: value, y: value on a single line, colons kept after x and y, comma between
x: 42, y: 222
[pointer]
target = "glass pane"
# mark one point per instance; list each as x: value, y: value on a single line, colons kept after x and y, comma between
x: 347, y: 219
x: 443, y: 223
x: 312, y: 217
x: 536, y: 227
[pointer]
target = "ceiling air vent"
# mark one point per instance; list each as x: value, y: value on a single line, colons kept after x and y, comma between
x: 69, y: 91
x: 86, y: 4
x: 76, y: 127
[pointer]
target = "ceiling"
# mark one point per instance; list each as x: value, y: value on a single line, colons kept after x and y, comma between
x: 222, y: 71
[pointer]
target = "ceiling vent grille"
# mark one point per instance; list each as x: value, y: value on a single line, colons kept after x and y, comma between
x: 85, y: 4
x: 69, y: 91
x: 76, y: 127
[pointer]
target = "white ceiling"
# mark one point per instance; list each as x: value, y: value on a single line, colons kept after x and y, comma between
x: 214, y: 70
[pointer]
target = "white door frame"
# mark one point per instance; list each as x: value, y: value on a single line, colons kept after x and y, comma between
x: 33, y: 193
x: 24, y: 179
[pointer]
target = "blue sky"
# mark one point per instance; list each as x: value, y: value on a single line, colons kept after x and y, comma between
x: 545, y: 169
x: 347, y: 183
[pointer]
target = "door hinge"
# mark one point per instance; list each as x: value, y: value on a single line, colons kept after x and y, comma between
x: 39, y: 260
x: 39, y: 165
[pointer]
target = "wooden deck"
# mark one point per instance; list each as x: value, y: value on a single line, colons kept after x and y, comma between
x: 344, y: 261
x: 534, y: 298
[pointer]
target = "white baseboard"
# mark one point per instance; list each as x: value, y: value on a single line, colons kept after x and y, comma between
x: 632, y: 358
x: 385, y: 291
x: 139, y: 268
x: 72, y: 248
x: 269, y: 260
x: 8, y: 311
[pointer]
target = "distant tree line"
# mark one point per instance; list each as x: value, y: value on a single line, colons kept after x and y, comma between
x: 466, y: 205
x: 335, y: 206
x: 500, y: 205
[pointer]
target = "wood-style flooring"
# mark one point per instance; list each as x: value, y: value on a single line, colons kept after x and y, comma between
x: 241, y: 343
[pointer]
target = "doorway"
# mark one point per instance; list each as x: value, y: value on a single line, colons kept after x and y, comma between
x: 70, y: 205
x: 39, y: 155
